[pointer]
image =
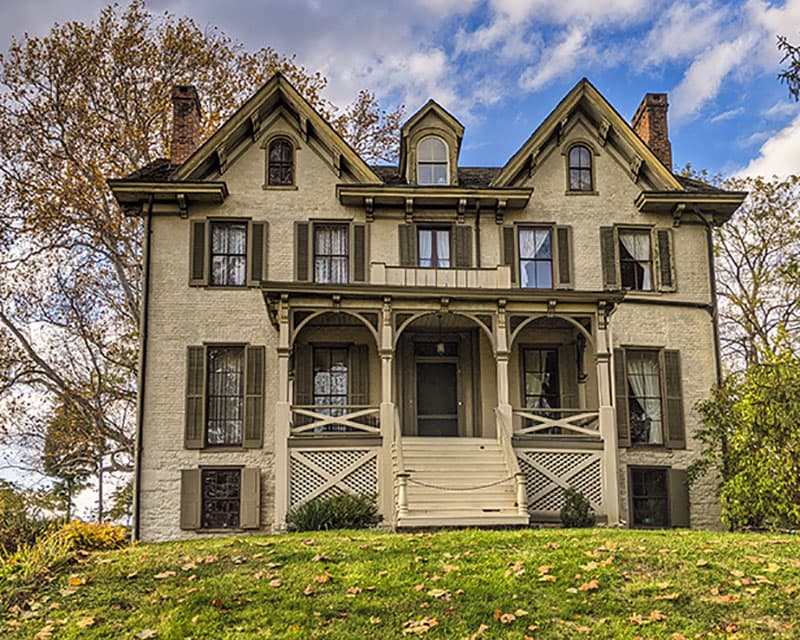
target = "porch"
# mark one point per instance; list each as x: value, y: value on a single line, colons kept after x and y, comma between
x: 470, y: 412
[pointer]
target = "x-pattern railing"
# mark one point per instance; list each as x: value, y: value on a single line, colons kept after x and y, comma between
x: 335, y: 418
x: 565, y: 421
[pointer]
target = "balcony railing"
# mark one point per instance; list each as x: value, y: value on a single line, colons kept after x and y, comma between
x: 343, y: 419
x: 498, y: 277
x: 582, y: 422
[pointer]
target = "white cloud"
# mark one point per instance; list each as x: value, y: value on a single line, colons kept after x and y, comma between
x: 726, y: 115
x: 684, y: 29
x: 557, y: 60
x: 780, y: 155
x: 781, y: 109
x: 572, y: 11
x: 704, y: 77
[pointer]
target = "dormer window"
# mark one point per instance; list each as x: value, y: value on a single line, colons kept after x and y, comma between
x: 432, y: 164
x: 580, y: 168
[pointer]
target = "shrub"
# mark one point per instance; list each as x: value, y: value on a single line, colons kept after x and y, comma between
x: 339, y: 511
x: 21, y: 523
x: 94, y: 536
x: 576, y: 512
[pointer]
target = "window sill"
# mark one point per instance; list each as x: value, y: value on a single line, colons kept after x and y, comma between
x: 223, y: 448
x: 641, y: 293
x: 581, y: 193
x: 228, y: 531
x: 279, y: 187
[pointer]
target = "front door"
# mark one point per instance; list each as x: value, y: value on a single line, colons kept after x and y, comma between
x: 437, y: 397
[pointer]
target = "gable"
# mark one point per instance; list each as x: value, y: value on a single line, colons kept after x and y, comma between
x: 431, y: 120
x: 608, y: 130
x: 247, y: 127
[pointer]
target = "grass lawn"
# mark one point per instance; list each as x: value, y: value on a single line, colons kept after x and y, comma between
x: 450, y: 584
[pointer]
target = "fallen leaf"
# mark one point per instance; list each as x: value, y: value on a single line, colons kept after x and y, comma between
x: 520, y: 612
x: 736, y: 573
x: 276, y: 582
x: 592, y: 585
x: 189, y: 566
x: 146, y: 634
x: 668, y: 596
x: 323, y: 577
x: 553, y: 545
x: 419, y: 587
x: 547, y: 578
x: 86, y: 621
x: 418, y: 627
x: 375, y: 620
x: 76, y: 581
x: 516, y: 568
x: 308, y: 591
x: 702, y: 563
x: 438, y: 593
x: 479, y: 633
x: 45, y: 633
x: 164, y: 574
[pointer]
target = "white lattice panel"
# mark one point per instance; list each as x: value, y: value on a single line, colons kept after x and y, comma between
x: 318, y: 473
x: 548, y: 473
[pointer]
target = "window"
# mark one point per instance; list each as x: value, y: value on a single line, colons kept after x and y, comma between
x: 580, y: 168
x: 280, y: 163
x: 540, y: 378
x: 228, y: 253
x: 644, y: 397
x: 224, y: 397
x: 649, y: 497
x: 331, y: 382
x: 635, y: 259
x: 331, y: 253
x: 220, y: 498
x: 536, y: 258
x: 432, y: 161
x: 434, y: 248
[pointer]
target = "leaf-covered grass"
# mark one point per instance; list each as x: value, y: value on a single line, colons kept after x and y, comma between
x: 451, y: 584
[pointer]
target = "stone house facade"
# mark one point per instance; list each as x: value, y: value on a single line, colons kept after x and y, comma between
x: 462, y: 342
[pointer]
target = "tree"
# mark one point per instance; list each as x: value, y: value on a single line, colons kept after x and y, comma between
x: 751, y: 437
x: 790, y: 76
x: 82, y: 104
x: 758, y: 270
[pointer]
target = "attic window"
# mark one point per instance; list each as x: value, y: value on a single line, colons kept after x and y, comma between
x: 580, y: 168
x: 280, y: 161
x: 432, y: 165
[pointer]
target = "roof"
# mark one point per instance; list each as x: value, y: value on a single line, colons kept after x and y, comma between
x: 474, y: 177
x: 698, y: 186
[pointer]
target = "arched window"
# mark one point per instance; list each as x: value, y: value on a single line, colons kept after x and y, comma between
x: 280, y: 160
x: 580, y: 168
x: 432, y: 162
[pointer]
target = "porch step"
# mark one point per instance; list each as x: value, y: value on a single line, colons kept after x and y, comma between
x: 457, y: 470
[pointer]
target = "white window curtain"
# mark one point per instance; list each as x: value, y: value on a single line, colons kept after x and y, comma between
x: 534, y: 244
x: 643, y: 378
x: 638, y: 245
x: 425, y: 248
x: 443, y: 249
x: 331, y: 255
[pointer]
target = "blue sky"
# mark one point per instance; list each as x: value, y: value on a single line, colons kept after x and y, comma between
x: 501, y: 65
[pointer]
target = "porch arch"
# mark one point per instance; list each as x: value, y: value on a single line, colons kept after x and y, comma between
x: 316, y: 314
x: 569, y: 319
x: 406, y: 323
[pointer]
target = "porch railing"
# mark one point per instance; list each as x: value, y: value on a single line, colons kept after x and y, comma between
x: 468, y: 278
x: 340, y: 419
x: 581, y: 422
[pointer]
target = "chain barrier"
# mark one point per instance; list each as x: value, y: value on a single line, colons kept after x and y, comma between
x: 475, y: 488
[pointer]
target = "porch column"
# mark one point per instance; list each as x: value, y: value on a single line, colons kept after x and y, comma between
x: 607, y: 417
x: 283, y: 417
x: 502, y: 353
x: 386, y: 473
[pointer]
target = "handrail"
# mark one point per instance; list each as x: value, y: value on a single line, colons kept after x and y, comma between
x: 578, y: 421
x: 322, y: 421
x: 503, y: 439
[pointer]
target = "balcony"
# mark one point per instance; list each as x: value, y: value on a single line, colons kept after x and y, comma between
x: 472, y: 278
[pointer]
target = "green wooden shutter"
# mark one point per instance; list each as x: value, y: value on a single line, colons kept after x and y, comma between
x: 257, y: 252
x: 250, y: 498
x: 197, y: 254
x: 608, y: 253
x: 678, y: 491
x: 359, y: 258
x: 675, y: 431
x: 563, y: 277
x: 463, y: 246
x: 190, y: 499
x: 666, y: 267
x: 509, y: 253
x: 301, y: 251
x: 195, y: 397
x: 358, y: 374
x: 621, y: 399
x: 303, y: 374
x: 255, y: 358
x: 407, y: 235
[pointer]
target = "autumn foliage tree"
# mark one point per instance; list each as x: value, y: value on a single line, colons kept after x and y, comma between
x: 82, y: 104
x: 790, y: 75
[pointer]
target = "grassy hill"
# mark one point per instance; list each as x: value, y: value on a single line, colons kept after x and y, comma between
x: 451, y: 584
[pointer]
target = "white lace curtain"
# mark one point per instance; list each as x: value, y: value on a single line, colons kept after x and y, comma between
x: 331, y: 256
x: 638, y: 245
x: 644, y: 380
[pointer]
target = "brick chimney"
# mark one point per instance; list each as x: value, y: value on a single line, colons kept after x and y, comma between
x: 650, y: 123
x: 185, y: 123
